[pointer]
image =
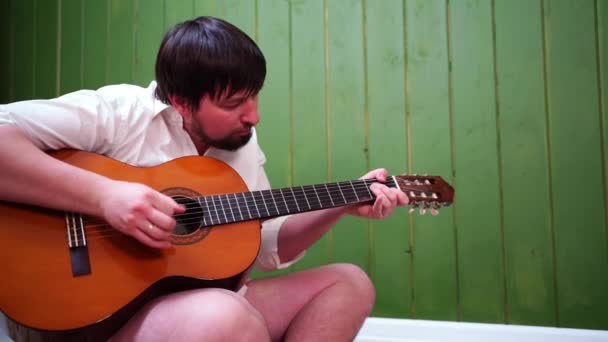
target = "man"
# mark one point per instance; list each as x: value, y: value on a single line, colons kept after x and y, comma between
x: 204, y: 102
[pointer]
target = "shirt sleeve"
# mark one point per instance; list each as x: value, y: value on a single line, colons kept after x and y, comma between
x: 86, y: 120
x: 268, y: 258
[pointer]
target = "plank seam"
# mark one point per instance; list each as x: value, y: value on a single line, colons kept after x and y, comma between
x: 34, y: 93
x: 329, y: 234
x: 58, y: 50
x: 452, y: 154
x: 82, y: 31
x: 549, y: 160
x: 408, y: 144
x: 499, y: 160
x: 369, y: 225
x: 601, y: 104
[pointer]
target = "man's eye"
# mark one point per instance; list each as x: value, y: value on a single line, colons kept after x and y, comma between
x: 231, y: 105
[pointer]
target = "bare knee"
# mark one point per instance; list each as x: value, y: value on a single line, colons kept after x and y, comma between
x: 230, y: 318
x: 202, y: 315
x: 357, y: 281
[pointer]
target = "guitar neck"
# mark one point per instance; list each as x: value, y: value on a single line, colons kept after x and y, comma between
x: 264, y: 204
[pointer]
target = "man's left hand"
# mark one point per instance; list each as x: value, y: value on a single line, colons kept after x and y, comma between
x: 387, y: 199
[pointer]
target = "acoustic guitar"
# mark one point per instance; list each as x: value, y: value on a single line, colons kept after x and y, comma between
x: 64, y: 271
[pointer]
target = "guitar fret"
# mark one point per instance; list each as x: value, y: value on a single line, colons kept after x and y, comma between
x: 256, y: 204
x: 230, y: 207
x: 223, y: 210
x: 273, y: 201
x: 284, y: 201
x: 354, y: 190
x: 300, y: 197
x: 206, y: 210
x: 368, y: 189
x: 230, y: 211
x: 264, y: 201
x: 217, y: 213
x: 329, y: 194
x: 246, y: 205
x: 236, y: 202
x: 295, y: 199
x: 305, y: 197
x: 314, y: 188
x: 341, y: 193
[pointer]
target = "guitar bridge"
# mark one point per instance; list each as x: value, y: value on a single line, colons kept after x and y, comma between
x: 77, y: 243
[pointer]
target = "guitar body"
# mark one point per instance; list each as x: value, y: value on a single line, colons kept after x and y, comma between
x: 39, y: 289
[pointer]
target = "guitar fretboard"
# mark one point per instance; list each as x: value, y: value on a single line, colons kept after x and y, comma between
x: 243, y: 206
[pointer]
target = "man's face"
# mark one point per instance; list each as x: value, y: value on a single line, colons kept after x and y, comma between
x: 225, y: 122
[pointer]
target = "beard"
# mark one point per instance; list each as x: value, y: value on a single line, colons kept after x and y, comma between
x: 231, y: 142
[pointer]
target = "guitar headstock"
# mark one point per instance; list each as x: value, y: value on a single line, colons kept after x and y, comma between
x: 426, y: 192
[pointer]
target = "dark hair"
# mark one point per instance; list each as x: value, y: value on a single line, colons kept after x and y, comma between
x: 207, y: 56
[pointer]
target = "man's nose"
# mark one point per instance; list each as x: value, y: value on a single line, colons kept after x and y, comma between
x: 251, y: 115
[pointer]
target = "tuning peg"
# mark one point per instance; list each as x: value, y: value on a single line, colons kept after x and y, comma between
x: 434, y: 211
x: 422, y: 210
x: 414, y: 206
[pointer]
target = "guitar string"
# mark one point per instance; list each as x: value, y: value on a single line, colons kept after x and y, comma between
x: 101, y: 229
x: 196, y: 219
x: 259, y: 201
x: 93, y: 230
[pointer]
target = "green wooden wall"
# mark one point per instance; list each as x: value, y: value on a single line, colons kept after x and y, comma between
x: 506, y: 99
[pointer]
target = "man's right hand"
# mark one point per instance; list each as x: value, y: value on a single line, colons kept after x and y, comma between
x: 140, y: 211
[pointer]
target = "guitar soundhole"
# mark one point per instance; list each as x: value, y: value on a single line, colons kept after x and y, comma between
x: 189, y: 227
x: 191, y: 220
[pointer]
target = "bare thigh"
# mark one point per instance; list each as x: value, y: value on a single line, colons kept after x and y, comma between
x: 282, y: 299
x: 204, y: 314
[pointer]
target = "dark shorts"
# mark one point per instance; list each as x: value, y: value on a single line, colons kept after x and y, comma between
x: 20, y: 333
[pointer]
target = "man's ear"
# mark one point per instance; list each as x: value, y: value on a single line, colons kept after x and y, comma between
x: 180, y: 104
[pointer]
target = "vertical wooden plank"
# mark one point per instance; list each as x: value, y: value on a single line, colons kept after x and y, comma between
x: 274, y: 100
x: 347, y: 126
x: 72, y: 35
x: 480, y: 249
x: 23, y: 14
x: 243, y: 14
x: 148, y: 35
x: 213, y: 8
x: 309, y: 132
x: 5, y: 58
x: 390, y: 266
x: 45, y: 63
x: 578, y: 216
x: 121, y: 46
x: 527, y: 228
x: 434, y: 260
x: 95, y: 43
x: 177, y: 11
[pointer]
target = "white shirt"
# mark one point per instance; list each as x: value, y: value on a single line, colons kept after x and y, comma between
x: 127, y: 123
